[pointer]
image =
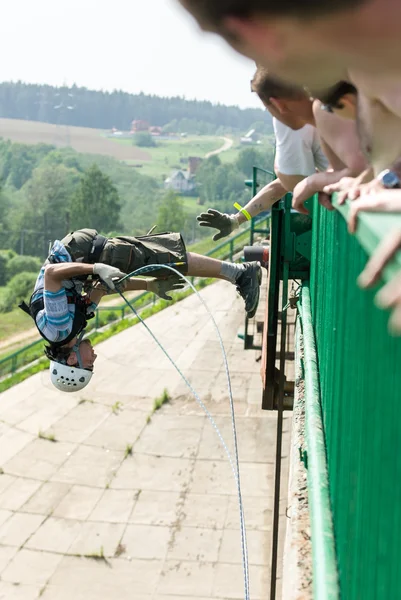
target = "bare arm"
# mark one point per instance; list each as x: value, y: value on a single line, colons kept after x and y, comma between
x: 263, y: 200
x: 55, y: 274
x: 130, y: 285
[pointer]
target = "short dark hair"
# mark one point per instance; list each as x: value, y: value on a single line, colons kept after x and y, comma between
x: 58, y: 353
x: 266, y: 86
x: 331, y: 98
x: 212, y: 12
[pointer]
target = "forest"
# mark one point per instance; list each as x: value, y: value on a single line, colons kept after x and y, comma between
x: 82, y: 107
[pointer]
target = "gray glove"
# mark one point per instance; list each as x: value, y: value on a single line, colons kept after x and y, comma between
x: 221, y: 221
x: 107, y: 273
x: 161, y: 286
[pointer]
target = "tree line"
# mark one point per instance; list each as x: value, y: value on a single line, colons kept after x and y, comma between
x: 104, y: 110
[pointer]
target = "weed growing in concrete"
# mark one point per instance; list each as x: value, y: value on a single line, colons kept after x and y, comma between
x: 50, y: 437
x: 163, y: 399
x: 116, y: 407
x: 128, y: 450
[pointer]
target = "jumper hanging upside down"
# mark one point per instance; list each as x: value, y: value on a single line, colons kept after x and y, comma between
x: 61, y: 310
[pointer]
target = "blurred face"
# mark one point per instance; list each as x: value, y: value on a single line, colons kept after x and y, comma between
x: 283, y: 44
x: 87, y: 353
x: 316, y: 51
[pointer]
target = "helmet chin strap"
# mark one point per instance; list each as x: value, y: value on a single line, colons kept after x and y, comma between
x: 75, y: 348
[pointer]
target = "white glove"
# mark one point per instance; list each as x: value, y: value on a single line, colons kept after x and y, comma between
x: 107, y: 273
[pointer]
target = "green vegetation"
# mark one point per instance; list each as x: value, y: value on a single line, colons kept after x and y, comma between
x: 95, y: 202
x: 128, y: 450
x: 96, y: 555
x: 116, y: 407
x: 171, y: 215
x: 163, y: 399
x: 50, y: 437
x: 104, y: 110
x: 19, y: 377
x: 13, y: 322
x: 168, y: 155
x: 143, y: 140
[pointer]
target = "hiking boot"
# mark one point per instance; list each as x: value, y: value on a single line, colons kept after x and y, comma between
x: 248, y: 286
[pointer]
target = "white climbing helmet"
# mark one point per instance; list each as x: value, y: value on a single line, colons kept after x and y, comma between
x: 68, y: 379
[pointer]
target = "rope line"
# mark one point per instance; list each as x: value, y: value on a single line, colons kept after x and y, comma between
x: 233, y: 463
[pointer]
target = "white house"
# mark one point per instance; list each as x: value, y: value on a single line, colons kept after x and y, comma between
x: 180, y: 181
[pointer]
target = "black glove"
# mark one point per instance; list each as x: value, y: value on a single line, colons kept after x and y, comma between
x: 161, y: 286
x: 221, y: 221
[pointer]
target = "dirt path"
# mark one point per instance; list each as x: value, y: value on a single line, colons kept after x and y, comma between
x: 228, y: 143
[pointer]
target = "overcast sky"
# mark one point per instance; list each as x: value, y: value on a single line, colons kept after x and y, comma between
x: 152, y: 46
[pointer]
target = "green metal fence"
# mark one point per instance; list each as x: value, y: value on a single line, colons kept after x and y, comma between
x: 360, y: 388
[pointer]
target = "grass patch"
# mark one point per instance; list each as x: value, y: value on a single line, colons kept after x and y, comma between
x: 14, y: 322
x: 19, y: 377
x: 128, y: 450
x: 158, y: 402
x: 173, y: 154
x: 50, y: 437
x: 97, y: 555
x: 116, y: 407
x: 163, y: 399
x: 84, y: 400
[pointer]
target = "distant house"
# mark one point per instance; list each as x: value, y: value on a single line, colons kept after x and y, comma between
x: 138, y: 125
x: 180, y: 181
x: 249, y: 138
x: 155, y: 130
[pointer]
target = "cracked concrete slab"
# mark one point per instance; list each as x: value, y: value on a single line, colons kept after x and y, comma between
x: 129, y: 502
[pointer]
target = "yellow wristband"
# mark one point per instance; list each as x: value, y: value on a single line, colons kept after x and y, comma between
x: 242, y: 210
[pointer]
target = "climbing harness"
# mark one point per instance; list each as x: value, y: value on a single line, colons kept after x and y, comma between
x: 234, y: 463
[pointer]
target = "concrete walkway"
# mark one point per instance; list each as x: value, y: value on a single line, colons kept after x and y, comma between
x: 126, y: 504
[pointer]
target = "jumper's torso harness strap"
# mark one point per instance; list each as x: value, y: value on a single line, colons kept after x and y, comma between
x: 81, y: 316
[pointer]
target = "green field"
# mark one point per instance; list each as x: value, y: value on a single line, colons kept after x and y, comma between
x: 14, y: 322
x: 168, y: 154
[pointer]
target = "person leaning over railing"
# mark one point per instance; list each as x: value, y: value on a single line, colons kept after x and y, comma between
x: 371, y: 194
x: 298, y: 155
x: 61, y: 310
x: 293, y: 106
x: 298, y: 123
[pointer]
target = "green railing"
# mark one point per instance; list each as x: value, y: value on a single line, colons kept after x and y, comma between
x: 104, y: 314
x: 352, y: 383
x: 360, y: 390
